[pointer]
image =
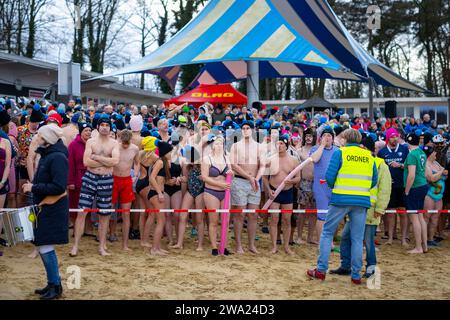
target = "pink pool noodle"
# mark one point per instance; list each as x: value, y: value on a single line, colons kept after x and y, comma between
x: 225, y: 217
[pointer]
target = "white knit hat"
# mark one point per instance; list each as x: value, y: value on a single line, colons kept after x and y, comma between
x: 51, y: 133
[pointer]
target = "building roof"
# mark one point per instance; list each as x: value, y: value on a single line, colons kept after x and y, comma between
x: 40, y: 74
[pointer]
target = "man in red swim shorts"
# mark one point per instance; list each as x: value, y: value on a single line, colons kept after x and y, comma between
x: 123, y: 182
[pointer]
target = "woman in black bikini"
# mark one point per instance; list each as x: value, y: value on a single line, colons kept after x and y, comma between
x: 159, y: 176
x: 147, y: 158
x: 214, y: 171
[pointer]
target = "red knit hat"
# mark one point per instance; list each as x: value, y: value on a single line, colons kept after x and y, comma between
x: 55, y: 117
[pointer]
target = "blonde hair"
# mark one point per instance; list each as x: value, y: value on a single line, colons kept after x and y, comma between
x: 352, y: 136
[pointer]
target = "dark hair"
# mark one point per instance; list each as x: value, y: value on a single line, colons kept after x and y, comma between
x: 311, y: 132
x: 5, y: 128
x: 166, y: 167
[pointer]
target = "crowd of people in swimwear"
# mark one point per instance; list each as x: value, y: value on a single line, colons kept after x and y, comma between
x: 178, y: 157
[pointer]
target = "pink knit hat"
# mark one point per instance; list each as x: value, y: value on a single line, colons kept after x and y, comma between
x: 136, y: 123
x: 391, y: 132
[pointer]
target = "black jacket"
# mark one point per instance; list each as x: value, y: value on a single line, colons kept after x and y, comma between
x: 52, y: 226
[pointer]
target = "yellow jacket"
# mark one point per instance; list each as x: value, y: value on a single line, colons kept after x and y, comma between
x: 383, y: 196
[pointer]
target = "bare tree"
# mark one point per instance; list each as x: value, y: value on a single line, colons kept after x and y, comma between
x: 145, y: 28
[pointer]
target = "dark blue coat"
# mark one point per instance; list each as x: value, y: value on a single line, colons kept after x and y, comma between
x: 52, y: 226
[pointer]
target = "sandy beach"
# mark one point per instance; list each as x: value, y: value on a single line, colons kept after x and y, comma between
x: 195, y: 275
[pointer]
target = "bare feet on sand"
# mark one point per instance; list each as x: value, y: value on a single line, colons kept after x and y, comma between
x: 274, y: 250
x: 74, y: 252
x: 415, y: 250
x: 288, y: 251
x: 104, y: 253
x: 199, y: 249
x: 253, y: 250
x: 300, y: 241
x: 157, y: 253
x: 146, y: 245
x: 126, y: 249
x: 177, y: 246
x: 34, y: 254
x: 240, y: 250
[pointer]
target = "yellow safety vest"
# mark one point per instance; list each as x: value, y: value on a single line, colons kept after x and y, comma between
x: 374, y: 190
x: 355, y: 176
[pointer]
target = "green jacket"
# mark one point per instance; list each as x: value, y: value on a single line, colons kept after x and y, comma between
x: 384, y: 195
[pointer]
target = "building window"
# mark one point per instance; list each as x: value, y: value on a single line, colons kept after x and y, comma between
x: 409, y: 112
x: 428, y: 110
x: 441, y: 115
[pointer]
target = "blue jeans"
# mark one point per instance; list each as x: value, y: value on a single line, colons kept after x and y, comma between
x: 346, y: 246
x: 357, y: 225
x: 51, y: 267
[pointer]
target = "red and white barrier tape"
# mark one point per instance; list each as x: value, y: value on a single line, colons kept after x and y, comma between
x: 282, y: 211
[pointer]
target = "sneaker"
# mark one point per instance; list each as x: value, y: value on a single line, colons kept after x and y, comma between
x: 194, y: 232
x: 438, y: 239
x: 316, y: 274
x: 341, y: 271
x: 336, y: 250
x: 279, y: 242
x: 433, y: 244
x: 356, y: 281
x: 215, y: 252
x: 134, y: 235
x: 370, y: 271
x: 265, y: 229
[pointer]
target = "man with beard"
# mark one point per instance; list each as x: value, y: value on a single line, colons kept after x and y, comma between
x: 306, y: 197
x: 394, y: 154
x: 101, y: 155
x: 163, y: 130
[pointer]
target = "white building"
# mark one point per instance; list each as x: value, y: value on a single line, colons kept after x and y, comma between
x: 25, y: 77
x: 437, y: 107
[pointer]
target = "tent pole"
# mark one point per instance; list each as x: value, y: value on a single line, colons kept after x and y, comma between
x: 371, y: 112
x: 252, y: 82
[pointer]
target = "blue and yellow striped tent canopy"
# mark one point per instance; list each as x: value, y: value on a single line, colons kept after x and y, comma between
x: 303, y: 35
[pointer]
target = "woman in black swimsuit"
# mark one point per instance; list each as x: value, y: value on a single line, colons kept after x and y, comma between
x: 173, y: 191
x: 159, y: 176
x: 215, y: 168
x: 147, y: 158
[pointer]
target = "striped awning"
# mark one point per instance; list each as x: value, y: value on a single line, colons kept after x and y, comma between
x: 305, y: 34
x: 231, y: 71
